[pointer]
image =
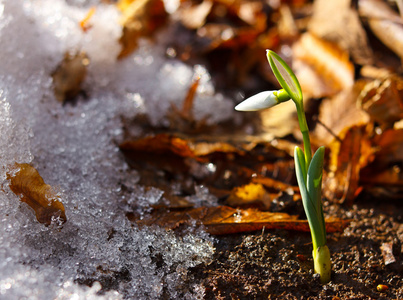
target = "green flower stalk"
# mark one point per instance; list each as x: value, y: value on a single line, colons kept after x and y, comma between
x: 308, y: 169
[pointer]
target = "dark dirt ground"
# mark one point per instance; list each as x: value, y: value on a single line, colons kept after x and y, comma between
x: 277, y: 264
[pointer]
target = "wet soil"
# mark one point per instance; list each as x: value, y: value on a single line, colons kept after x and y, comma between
x: 367, y: 259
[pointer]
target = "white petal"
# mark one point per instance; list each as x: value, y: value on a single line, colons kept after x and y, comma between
x: 257, y: 102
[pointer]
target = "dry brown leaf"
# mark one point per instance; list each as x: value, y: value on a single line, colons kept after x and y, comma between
x: 232, y: 25
x: 390, y: 144
x: 194, y: 17
x: 69, y: 75
x: 26, y: 182
x: 386, y: 24
x: 276, y: 185
x: 385, y: 171
x: 382, y: 99
x: 338, y: 22
x: 226, y: 220
x: 250, y: 195
x: 378, y: 10
x: 280, y: 120
x: 85, y: 22
x: 287, y: 28
x: 349, y: 155
x: 261, y: 192
x: 141, y: 18
x: 218, y: 163
x: 169, y: 143
x: 322, y: 68
x: 182, y: 120
x: 338, y: 113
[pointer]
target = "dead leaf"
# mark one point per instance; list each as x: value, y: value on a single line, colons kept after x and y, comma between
x: 382, y: 99
x: 170, y: 143
x: 141, y: 18
x: 85, y: 22
x: 183, y: 120
x: 250, y: 195
x: 378, y: 10
x: 231, y: 24
x: 280, y: 120
x: 69, y: 75
x: 275, y: 185
x: 226, y: 220
x: 338, y: 113
x: 349, y: 155
x: 287, y: 27
x: 338, y: 22
x: 322, y: 68
x: 194, y: 16
x: 218, y: 163
x: 384, y: 23
x: 385, y: 171
x: 373, y: 72
x: 26, y: 182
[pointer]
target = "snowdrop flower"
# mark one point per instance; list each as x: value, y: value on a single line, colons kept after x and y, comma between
x: 262, y: 100
x: 257, y: 102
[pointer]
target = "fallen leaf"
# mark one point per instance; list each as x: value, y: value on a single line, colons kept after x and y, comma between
x: 349, y: 155
x: 194, y: 16
x: 280, y: 120
x: 140, y: 18
x: 385, y: 170
x: 250, y: 195
x: 287, y: 27
x: 85, y: 22
x: 170, y: 143
x: 385, y: 23
x: 382, y: 99
x: 322, y: 68
x: 69, y: 75
x: 226, y: 220
x: 26, y: 182
x: 338, y: 113
x: 183, y: 120
x: 378, y: 10
x: 338, y: 22
x: 218, y: 163
x: 229, y: 24
x: 275, y: 185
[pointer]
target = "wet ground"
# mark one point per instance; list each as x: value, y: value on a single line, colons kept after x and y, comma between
x: 367, y: 259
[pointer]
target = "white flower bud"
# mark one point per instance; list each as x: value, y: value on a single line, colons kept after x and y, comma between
x: 259, y: 101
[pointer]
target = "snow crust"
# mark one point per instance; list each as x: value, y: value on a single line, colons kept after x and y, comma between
x: 74, y: 149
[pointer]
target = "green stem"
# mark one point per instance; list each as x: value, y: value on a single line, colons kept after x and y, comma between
x: 305, y: 133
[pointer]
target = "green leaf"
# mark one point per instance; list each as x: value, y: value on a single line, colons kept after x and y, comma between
x: 314, y: 184
x: 299, y: 155
x: 314, y: 175
x: 285, y: 76
x: 315, y: 223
